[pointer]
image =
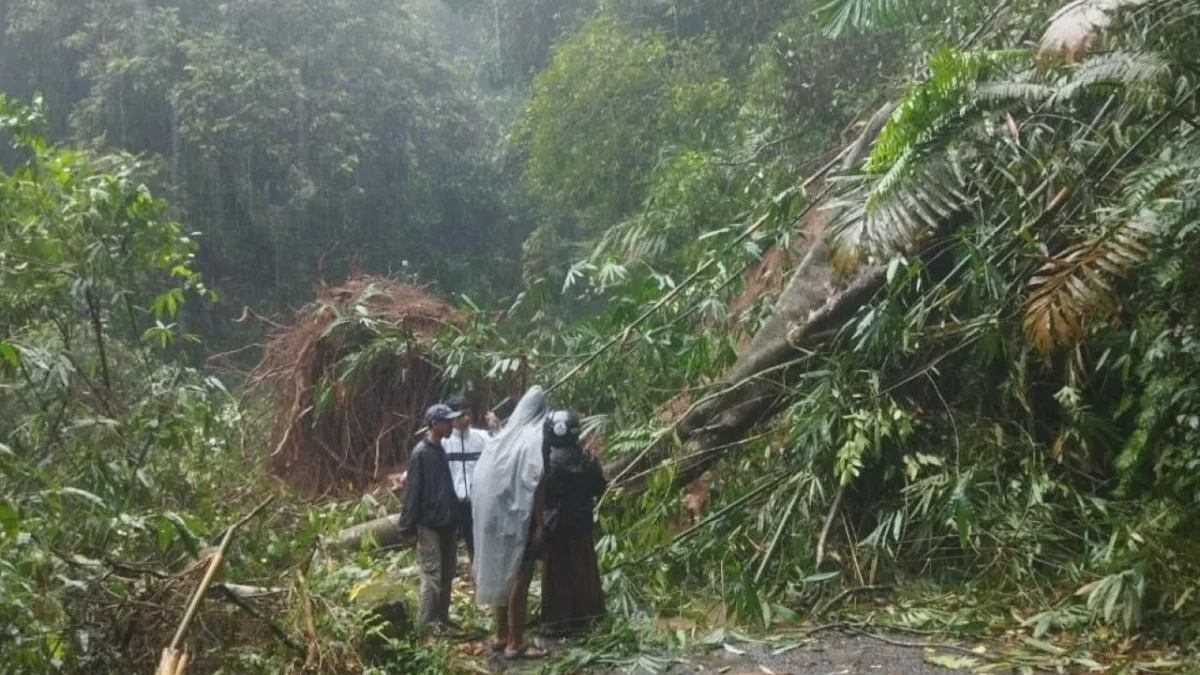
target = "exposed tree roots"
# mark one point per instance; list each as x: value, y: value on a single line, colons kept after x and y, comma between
x: 346, y: 407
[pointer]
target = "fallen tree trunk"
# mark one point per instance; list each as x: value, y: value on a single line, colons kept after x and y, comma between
x: 756, y: 384
x: 813, y: 306
x: 384, y: 531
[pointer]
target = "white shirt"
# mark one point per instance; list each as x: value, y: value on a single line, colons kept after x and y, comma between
x: 461, y: 454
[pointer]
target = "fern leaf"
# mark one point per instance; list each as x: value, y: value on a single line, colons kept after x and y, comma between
x: 936, y: 107
x: 1073, y: 29
x: 1075, y: 287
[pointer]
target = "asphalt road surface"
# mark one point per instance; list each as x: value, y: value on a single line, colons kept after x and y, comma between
x: 826, y: 654
x: 831, y: 654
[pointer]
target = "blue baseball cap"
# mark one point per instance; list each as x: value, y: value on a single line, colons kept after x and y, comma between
x: 440, y: 412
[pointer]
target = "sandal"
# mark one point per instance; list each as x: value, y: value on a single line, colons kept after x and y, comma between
x: 525, y: 652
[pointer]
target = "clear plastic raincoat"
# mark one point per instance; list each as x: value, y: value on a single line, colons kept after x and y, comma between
x: 506, y: 478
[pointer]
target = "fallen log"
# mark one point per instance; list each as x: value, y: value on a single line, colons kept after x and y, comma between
x: 246, y: 592
x: 756, y: 384
x: 384, y: 531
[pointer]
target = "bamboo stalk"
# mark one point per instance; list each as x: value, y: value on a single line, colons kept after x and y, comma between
x: 174, y: 662
x: 783, y: 523
x: 833, y: 509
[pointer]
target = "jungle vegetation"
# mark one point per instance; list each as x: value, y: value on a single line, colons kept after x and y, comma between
x: 978, y: 315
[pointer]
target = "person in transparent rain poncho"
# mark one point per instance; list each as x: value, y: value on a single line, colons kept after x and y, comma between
x: 506, y: 511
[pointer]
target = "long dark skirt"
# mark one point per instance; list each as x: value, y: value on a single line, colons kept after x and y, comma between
x: 572, y: 597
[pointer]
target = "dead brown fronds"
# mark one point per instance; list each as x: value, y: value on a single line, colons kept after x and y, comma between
x: 1073, y: 29
x: 1075, y: 287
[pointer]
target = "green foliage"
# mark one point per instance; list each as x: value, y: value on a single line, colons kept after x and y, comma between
x: 609, y: 103
x: 104, y: 442
x: 968, y: 455
x: 904, y: 194
x: 121, y: 465
x: 304, y: 136
x: 68, y: 239
x: 520, y: 35
x: 1015, y: 411
x: 841, y: 15
x: 927, y: 109
x: 929, y: 22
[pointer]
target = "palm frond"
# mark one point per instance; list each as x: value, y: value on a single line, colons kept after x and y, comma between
x: 840, y: 16
x: 1133, y: 71
x: 1075, y: 288
x: 1149, y: 182
x: 936, y: 106
x: 1172, y: 14
x: 881, y: 217
x: 1073, y: 29
x: 1076, y: 285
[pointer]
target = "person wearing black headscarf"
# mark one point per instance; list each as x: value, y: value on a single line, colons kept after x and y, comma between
x: 572, y: 596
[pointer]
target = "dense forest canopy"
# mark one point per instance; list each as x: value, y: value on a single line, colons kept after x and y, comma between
x: 296, y: 133
x: 903, y: 293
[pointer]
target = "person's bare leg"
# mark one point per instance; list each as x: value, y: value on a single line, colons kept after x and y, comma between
x: 500, y: 614
x: 518, y: 602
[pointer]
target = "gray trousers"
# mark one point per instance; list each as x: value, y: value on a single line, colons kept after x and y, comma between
x: 436, y: 552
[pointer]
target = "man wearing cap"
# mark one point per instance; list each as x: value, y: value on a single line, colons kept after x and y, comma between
x: 431, y: 516
x: 463, y: 448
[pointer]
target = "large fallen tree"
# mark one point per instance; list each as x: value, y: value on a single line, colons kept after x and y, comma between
x: 819, y: 299
x: 814, y: 305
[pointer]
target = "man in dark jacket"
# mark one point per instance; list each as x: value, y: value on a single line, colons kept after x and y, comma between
x: 430, y: 515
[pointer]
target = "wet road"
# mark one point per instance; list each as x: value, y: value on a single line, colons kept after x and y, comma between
x: 831, y: 654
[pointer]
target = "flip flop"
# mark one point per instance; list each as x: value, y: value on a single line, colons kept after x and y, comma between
x: 525, y: 652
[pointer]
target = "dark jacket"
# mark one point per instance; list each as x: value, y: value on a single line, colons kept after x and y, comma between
x: 429, y: 499
x: 573, y: 482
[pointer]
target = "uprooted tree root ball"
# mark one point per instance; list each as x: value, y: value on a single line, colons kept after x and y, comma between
x: 349, y: 382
